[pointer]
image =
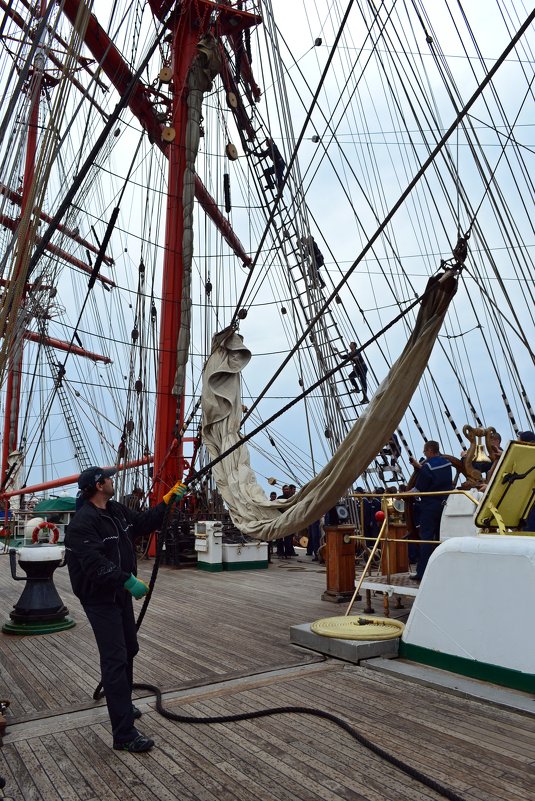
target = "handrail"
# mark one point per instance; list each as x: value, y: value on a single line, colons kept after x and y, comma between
x: 413, y: 494
x: 383, y: 533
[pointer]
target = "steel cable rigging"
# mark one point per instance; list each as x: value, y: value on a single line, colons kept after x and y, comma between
x: 423, y: 168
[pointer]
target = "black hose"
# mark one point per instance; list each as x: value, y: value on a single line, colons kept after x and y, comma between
x: 411, y: 771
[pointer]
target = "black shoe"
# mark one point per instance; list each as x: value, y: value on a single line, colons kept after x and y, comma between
x: 138, y: 745
x: 136, y: 712
x: 414, y: 577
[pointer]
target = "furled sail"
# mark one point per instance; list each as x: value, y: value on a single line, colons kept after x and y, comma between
x: 205, y: 67
x: 251, y: 511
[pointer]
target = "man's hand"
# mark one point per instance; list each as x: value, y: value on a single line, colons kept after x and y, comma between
x: 178, y: 492
x: 136, y: 587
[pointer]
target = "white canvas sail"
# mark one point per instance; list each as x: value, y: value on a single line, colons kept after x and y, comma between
x: 250, y: 509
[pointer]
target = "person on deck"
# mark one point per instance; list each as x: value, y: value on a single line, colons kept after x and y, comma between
x: 529, y: 437
x: 280, y: 542
x: 285, y: 545
x: 134, y: 500
x: 495, y: 452
x: 314, y: 539
x: 434, y: 475
x: 101, y: 559
x: 363, y: 510
x: 272, y: 497
x: 496, y: 449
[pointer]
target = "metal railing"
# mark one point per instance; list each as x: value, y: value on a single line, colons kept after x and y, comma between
x: 382, y: 536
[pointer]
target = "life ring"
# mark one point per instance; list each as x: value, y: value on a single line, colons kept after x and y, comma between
x: 53, y: 537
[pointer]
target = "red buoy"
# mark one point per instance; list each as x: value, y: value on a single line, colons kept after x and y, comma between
x: 379, y: 516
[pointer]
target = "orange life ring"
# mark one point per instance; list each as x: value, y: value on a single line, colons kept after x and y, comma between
x: 53, y: 537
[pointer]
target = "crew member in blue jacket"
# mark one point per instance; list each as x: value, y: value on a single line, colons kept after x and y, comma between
x: 434, y: 474
x: 101, y: 558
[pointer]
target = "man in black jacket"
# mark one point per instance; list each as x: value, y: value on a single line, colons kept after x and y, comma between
x: 101, y: 559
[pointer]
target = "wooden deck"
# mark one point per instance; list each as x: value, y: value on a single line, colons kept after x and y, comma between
x: 218, y: 643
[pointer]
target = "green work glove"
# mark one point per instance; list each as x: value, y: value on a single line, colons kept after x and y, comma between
x: 178, y: 492
x: 136, y: 587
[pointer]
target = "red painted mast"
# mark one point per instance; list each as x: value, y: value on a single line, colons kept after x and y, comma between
x: 14, y: 368
x: 190, y: 20
x: 168, y: 466
x: 189, y: 26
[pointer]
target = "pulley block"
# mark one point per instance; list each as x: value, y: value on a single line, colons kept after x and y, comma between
x: 231, y: 151
x: 166, y: 74
x: 168, y: 134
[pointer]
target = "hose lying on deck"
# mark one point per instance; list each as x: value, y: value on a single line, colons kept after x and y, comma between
x: 414, y: 773
x: 409, y: 770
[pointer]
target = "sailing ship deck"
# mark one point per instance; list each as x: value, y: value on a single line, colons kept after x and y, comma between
x: 218, y: 643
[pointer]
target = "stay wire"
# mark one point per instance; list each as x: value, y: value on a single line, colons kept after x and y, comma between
x: 508, y: 138
x: 483, y: 163
x: 101, y: 140
x: 454, y: 174
x: 344, y: 189
x: 291, y: 162
x: 430, y: 159
x: 91, y: 283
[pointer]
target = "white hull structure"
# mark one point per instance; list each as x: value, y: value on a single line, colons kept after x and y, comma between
x: 461, y: 620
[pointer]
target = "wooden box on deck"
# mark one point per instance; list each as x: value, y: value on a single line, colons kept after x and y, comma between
x: 340, y: 563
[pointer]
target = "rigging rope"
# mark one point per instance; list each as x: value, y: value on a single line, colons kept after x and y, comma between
x: 91, y: 283
x: 101, y: 140
x: 430, y: 159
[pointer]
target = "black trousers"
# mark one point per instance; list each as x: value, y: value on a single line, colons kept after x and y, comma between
x: 430, y: 517
x: 285, y: 546
x: 114, y: 628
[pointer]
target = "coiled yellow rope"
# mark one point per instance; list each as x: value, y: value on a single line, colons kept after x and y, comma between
x: 358, y: 628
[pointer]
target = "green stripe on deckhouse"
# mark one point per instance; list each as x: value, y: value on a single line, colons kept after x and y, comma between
x: 484, y: 671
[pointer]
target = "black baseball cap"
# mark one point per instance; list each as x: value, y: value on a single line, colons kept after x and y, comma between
x: 526, y: 436
x: 91, y: 476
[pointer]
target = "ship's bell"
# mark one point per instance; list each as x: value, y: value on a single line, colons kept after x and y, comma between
x: 481, y: 461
